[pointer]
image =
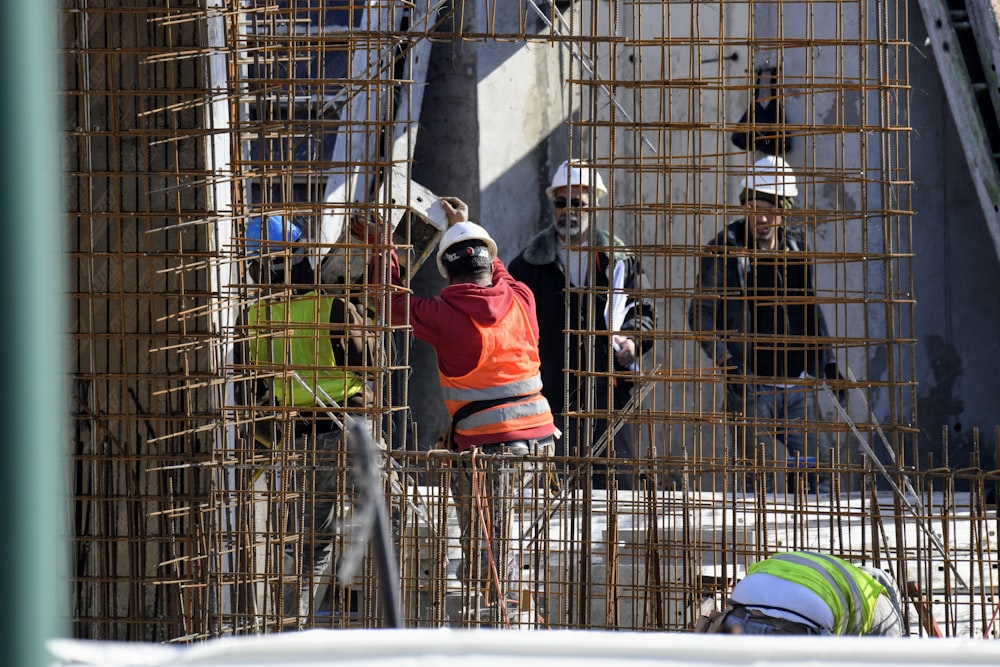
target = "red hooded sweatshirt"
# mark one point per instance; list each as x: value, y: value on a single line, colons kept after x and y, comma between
x: 446, y: 323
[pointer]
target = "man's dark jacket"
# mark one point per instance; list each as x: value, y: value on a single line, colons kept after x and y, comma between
x: 538, y: 267
x: 733, y: 292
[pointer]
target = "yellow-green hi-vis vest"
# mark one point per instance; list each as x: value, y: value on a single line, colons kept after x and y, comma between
x: 298, y: 340
x: 849, y: 592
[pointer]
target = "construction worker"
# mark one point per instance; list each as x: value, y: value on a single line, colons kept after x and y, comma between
x: 756, y: 305
x: 567, y: 255
x: 314, y: 349
x: 808, y: 593
x: 485, y: 335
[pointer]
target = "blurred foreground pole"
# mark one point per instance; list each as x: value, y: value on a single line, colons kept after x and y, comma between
x: 375, y: 520
x: 33, y: 346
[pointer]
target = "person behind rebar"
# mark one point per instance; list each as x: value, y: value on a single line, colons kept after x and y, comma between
x: 313, y: 347
x: 583, y: 274
x: 484, y: 332
x: 756, y: 305
x: 809, y: 593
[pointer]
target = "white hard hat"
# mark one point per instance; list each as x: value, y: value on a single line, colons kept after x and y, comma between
x: 772, y: 175
x: 464, y: 231
x: 577, y: 173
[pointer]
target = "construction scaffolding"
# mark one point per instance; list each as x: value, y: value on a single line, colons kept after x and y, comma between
x: 194, y: 486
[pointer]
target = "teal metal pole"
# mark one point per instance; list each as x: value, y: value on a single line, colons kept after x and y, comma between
x: 33, y: 343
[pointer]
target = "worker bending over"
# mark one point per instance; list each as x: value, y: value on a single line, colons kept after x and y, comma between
x: 808, y: 593
x: 484, y: 332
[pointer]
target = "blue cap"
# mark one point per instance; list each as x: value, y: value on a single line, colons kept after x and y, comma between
x: 277, y: 229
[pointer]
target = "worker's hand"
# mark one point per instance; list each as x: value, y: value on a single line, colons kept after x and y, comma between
x: 370, y: 228
x: 624, y: 350
x: 456, y: 210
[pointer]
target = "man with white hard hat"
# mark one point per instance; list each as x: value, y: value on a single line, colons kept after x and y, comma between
x: 565, y: 256
x: 485, y: 334
x: 756, y: 306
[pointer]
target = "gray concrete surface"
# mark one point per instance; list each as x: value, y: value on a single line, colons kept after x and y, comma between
x: 955, y: 276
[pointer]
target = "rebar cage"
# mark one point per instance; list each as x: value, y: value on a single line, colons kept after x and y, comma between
x: 184, y: 121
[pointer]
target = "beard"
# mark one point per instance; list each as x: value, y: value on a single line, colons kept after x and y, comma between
x: 572, y: 225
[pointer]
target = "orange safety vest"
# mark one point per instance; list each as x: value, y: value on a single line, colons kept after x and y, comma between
x: 506, y: 381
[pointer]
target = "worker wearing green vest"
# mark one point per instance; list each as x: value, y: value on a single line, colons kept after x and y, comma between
x: 809, y: 593
x: 310, y: 352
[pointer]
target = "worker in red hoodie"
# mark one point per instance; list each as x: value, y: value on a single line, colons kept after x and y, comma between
x: 484, y: 331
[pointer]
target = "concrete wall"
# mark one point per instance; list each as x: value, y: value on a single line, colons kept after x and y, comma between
x: 956, y: 273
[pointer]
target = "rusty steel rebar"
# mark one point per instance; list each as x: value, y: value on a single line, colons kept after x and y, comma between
x: 192, y: 482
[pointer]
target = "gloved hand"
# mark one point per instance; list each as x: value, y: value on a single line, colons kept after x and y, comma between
x: 830, y: 372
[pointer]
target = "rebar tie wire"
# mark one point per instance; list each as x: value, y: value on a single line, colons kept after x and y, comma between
x: 915, y: 507
x: 588, y: 68
x: 533, y: 531
x: 480, y: 497
x: 324, y: 400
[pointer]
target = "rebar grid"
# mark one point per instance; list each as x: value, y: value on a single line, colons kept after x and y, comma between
x: 191, y: 483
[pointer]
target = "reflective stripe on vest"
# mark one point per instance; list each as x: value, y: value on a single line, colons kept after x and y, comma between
x: 515, y: 388
x: 510, y: 413
x: 309, y: 352
x: 508, y: 367
x: 848, y: 591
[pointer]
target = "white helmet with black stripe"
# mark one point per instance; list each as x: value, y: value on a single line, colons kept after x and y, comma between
x: 458, y: 233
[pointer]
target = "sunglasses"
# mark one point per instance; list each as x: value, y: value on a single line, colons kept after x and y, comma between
x: 561, y: 202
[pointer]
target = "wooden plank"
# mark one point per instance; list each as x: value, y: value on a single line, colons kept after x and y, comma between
x: 986, y: 28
